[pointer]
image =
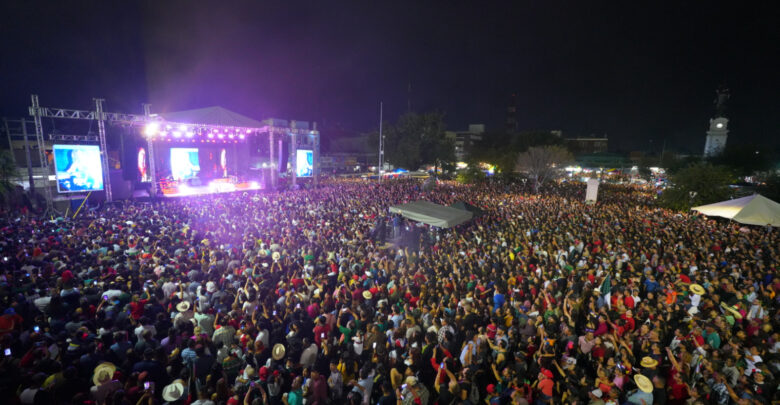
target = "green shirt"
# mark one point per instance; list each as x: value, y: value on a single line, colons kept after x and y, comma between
x: 295, y: 397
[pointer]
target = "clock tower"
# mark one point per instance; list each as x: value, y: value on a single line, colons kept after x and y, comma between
x: 719, y: 126
x: 716, y: 136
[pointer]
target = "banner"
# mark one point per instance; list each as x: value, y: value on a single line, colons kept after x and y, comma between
x: 593, y: 190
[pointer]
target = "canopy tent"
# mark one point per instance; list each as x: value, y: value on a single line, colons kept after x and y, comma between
x: 467, y: 207
x: 751, y: 210
x: 212, y: 116
x: 432, y: 214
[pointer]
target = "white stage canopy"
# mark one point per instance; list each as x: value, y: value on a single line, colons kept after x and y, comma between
x: 751, y: 210
x: 432, y: 214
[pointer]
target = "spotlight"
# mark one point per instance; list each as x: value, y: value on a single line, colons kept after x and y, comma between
x: 221, y: 136
x: 241, y: 136
x: 151, y: 129
x: 230, y: 136
x: 211, y: 135
x: 177, y: 134
x: 183, y: 128
x: 190, y: 134
x: 163, y: 133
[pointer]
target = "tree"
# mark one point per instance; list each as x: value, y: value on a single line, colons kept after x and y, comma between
x: 501, y: 148
x: 542, y: 162
x: 471, y: 175
x: 415, y: 139
x: 697, y: 184
x: 7, y: 171
x: 742, y: 159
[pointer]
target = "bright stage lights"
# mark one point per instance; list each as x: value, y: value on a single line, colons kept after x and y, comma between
x: 211, y: 135
x: 230, y: 136
x: 189, y: 134
x: 241, y: 136
x: 163, y: 134
x: 151, y: 129
x: 177, y: 134
x: 221, y: 136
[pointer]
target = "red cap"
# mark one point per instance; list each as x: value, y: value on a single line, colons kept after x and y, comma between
x: 547, y: 373
x: 491, y: 388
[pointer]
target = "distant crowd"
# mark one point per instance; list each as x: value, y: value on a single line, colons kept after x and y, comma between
x: 294, y: 298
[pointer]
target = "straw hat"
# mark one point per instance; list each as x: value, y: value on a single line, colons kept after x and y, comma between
x: 411, y: 381
x: 211, y: 286
x: 278, y: 351
x: 643, y: 383
x: 648, y: 362
x: 367, y: 295
x: 103, y: 373
x: 183, y: 306
x: 697, y: 289
x: 276, y: 255
x: 733, y: 310
x: 173, y: 391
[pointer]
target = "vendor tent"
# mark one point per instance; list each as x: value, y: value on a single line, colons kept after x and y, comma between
x: 432, y: 214
x: 467, y: 207
x: 751, y: 210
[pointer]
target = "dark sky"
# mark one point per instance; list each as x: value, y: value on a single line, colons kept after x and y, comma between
x: 637, y: 72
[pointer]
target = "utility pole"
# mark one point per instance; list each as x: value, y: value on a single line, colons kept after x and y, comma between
x: 381, y: 145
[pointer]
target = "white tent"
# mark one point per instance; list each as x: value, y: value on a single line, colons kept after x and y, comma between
x: 432, y: 214
x: 751, y: 210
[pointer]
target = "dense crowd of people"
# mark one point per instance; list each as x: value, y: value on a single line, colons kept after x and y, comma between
x: 292, y: 298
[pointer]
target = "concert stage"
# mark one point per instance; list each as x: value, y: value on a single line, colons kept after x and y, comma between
x: 217, y: 186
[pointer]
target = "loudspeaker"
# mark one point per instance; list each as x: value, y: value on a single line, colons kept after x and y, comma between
x: 284, y: 153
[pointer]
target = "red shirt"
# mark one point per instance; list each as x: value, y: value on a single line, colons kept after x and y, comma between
x: 137, y: 309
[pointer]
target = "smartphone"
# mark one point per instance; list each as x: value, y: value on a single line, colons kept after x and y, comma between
x: 274, y: 313
x: 265, y: 264
x: 147, y: 385
x: 403, y: 387
x: 105, y: 298
x: 322, y: 336
x: 374, y: 345
x: 8, y: 352
x: 441, y: 365
x: 36, y: 328
x: 298, y: 306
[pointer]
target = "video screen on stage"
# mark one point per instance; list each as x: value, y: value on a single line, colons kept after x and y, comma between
x: 184, y: 163
x: 304, y: 163
x: 78, y: 168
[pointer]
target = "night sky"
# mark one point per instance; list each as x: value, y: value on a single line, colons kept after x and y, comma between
x: 640, y: 73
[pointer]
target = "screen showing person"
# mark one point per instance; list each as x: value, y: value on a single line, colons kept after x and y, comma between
x: 304, y: 163
x: 184, y: 163
x: 78, y: 168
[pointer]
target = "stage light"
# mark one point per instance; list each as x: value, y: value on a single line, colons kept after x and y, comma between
x: 190, y: 134
x: 183, y: 128
x: 248, y: 131
x: 167, y: 127
x: 230, y: 136
x: 176, y: 134
x: 163, y: 133
x: 151, y: 129
x: 221, y: 136
x: 241, y: 136
x: 211, y: 135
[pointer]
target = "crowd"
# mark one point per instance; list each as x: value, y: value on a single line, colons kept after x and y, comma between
x: 292, y: 298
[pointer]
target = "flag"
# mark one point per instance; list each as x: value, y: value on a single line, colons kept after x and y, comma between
x: 606, y: 291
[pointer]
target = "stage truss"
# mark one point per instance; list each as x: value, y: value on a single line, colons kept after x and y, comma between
x: 290, y: 135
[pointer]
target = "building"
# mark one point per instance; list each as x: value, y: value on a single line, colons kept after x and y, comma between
x: 464, y: 140
x: 716, y: 137
x: 587, y: 145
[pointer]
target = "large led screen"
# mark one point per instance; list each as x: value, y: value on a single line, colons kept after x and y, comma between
x: 184, y: 163
x: 304, y: 163
x: 78, y: 168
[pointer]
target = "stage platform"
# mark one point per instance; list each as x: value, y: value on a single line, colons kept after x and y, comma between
x: 218, y: 186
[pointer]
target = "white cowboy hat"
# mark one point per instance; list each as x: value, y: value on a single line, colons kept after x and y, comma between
x: 211, y: 286
x: 173, y: 391
x: 183, y: 306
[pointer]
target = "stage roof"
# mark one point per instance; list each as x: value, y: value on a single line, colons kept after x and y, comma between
x: 432, y: 214
x: 212, y: 116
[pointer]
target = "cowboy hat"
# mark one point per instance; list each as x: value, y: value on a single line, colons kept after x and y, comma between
x: 367, y: 295
x: 103, y: 373
x: 249, y: 372
x: 697, y: 289
x: 173, y: 391
x: 276, y: 255
x: 211, y: 286
x: 278, y: 351
x: 643, y: 383
x: 411, y: 381
x: 648, y: 362
x: 183, y: 306
x: 731, y: 309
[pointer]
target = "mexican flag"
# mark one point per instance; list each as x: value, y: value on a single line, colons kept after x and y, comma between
x: 606, y: 291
